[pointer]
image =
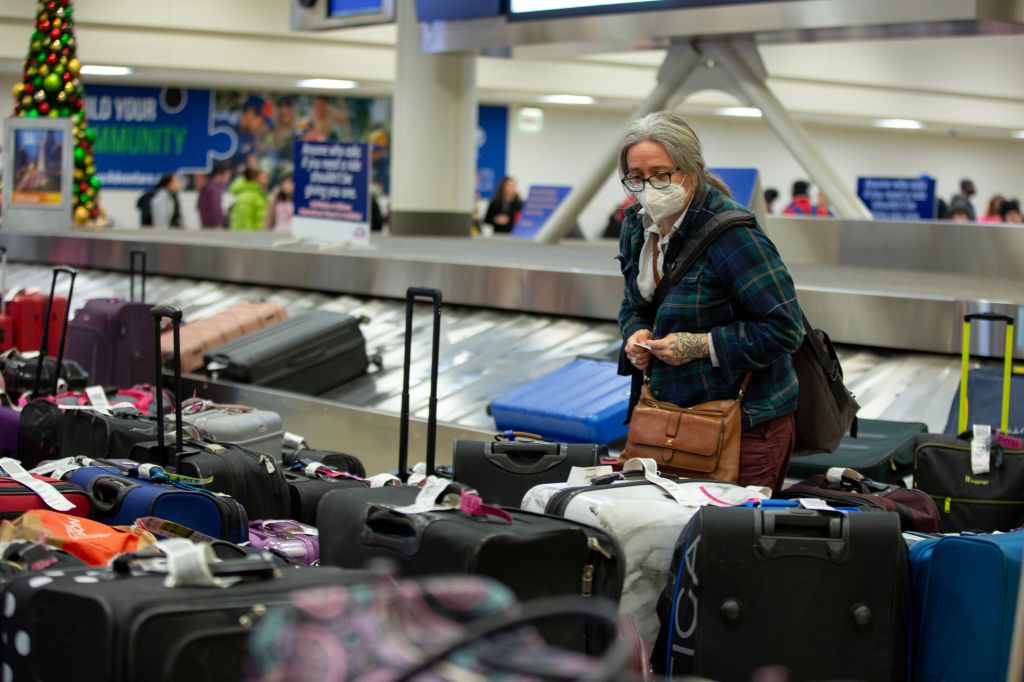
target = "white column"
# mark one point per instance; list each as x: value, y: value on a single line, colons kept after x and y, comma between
x: 433, y: 149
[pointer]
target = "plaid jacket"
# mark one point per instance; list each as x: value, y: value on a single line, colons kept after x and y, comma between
x: 740, y: 292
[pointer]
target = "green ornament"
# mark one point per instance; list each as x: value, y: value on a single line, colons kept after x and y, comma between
x: 59, y: 70
x: 83, y: 198
x: 64, y: 38
x: 95, y: 182
x: 53, y: 113
x: 36, y: 35
x: 36, y: 45
x: 79, y: 156
x: 52, y: 83
x: 41, y: 57
x: 65, y: 112
x: 90, y: 136
x: 32, y: 113
x: 37, y: 82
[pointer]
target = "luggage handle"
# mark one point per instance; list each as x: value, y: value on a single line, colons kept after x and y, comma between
x: 384, y: 527
x: 3, y: 280
x: 965, y: 361
x: 174, y: 315
x: 520, y: 458
x: 798, y: 532
x: 413, y: 294
x: 108, y: 492
x: 45, y: 342
x: 131, y: 274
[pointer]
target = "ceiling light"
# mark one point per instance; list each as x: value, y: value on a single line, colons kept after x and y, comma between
x: 1019, y: 134
x: 326, y: 84
x: 566, y: 99
x: 97, y: 70
x: 903, y: 123
x: 746, y: 112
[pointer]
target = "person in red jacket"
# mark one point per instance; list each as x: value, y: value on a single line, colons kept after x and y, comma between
x: 801, y: 203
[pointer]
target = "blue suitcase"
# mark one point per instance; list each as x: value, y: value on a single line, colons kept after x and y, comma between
x: 582, y: 402
x: 118, y: 500
x: 985, y: 398
x: 964, y: 597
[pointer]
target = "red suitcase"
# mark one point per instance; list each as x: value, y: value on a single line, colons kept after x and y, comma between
x: 17, y: 498
x: 6, y: 321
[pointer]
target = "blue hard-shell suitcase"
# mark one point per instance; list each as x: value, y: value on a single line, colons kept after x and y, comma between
x: 582, y: 402
x: 119, y: 500
x: 964, y: 598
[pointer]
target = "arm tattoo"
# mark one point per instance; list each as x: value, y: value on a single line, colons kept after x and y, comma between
x: 687, y: 347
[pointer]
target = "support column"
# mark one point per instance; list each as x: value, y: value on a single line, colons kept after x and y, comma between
x: 679, y: 63
x: 433, y: 148
x: 736, y: 58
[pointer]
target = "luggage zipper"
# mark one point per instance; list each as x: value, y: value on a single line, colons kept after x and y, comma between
x: 587, y: 581
x: 947, y: 501
x: 559, y: 502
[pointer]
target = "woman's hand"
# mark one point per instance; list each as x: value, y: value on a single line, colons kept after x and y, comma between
x: 501, y: 219
x: 640, y: 357
x: 680, y: 348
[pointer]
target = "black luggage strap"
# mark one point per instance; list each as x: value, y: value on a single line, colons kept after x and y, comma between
x: 693, y: 248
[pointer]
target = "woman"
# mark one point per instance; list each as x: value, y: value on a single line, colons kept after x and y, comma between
x: 1009, y: 212
x: 734, y: 311
x: 250, y: 207
x: 504, y: 208
x: 279, y: 214
x: 994, y: 206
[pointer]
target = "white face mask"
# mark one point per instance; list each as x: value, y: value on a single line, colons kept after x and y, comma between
x: 664, y: 203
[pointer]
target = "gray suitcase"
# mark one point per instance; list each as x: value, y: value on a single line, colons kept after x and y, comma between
x: 310, y: 353
x: 258, y: 430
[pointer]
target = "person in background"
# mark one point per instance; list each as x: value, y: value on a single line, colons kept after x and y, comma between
x: 250, y: 208
x: 279, y: 213
x: 735, y: 311
x: 801, y: 203
x: 253, y: 124
x: 505, y: 206
x: 821, y: 207
x: 994, y: 206
x: 959, y: 215
x: 211, y: 197
x: 770, y: 195
x: 613, y: 230
x: 164, y: 205
x: 1010, y: 212
x: 964, y: 198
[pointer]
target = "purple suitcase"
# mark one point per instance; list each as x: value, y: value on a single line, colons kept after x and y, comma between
x: 291, y: 538
x: 113, y: 339
x: 9, y: 423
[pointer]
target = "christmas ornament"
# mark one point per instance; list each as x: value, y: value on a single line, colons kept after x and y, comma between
x: 81, y: 215
x: 39, y: 96
x: 52, y: 83
x: 73, y: 66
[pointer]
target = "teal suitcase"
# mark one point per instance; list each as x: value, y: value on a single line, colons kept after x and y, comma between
x: 882, y: 451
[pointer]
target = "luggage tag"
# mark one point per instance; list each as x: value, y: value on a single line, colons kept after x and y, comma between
x: 97, y: 397
x: 320, y: 470
x: 981, y: 449
x: 584, y: 476
x: 432, y: 498
x: 51, y: 496
x: 58, y: 468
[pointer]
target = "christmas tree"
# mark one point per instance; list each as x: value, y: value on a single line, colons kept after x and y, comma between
x: 51, y: 87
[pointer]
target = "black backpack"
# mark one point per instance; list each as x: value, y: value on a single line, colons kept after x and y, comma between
x: 145, y: 206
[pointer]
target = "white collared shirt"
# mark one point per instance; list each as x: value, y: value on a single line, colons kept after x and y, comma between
x: 645, y: 275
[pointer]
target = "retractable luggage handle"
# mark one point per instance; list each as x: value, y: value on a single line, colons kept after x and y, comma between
x: 142, y: 275
x: 413, y: 294
x: 174, y: 315
x: 965, y: 361
x: 45, y: 342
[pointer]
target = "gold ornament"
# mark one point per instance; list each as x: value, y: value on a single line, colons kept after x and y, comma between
x: 56, y: 23
x: 81, y: 215
x: 62, y: 97
x: 55, y: 46
x: 69, y: 88
x: 73, y: 66
x: 26, y: 101
x: 79, y: 174
x: 64, y: 60
x: 17, y: 90
x: 43, y: 69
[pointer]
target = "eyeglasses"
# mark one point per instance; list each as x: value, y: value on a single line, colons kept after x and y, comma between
x: 635, y: 183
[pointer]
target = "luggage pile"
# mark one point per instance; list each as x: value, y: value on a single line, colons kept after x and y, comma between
x: 154, y: 537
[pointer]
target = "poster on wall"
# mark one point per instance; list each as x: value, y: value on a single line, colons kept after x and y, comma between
x: 38, y: 173
x: 492, y: 149
x: 541, y: 203
x: 898, y: 198
x: 332, y: 192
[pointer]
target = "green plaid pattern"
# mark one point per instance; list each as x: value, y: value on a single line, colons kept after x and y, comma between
x: 740, y: 292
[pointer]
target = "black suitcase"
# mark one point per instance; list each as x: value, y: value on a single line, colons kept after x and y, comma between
x: 306, y: 492
x: 823, y: 594
x: 339, y: 461
x: 502, y: 472
x: 309, y: 353
x: 882, y: 451
x: 87, y: 625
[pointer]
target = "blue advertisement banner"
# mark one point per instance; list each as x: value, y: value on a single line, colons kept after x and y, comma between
x: 332, y: 191
x: 742, y: 182
x: 541, y: 202
x: 142, y: 133
x: 898, y: 198
x: 492, y: 149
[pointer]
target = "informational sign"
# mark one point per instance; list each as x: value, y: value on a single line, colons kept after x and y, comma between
x: 742, y: 183
x: 492, y: 149
x: 143, y: 133
x: 898, y: 198
x: 541, y: 202
x: 38, y: 175
x: 332, y: 192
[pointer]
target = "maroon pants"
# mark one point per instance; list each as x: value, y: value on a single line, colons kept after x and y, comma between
x: 764, y: 452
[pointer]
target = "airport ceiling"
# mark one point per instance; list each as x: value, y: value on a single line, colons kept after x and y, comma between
x: 966, y: 85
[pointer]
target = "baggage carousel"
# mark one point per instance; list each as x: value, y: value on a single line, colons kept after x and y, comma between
x: 516, y: 310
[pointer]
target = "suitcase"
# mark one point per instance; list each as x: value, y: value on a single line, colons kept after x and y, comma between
x: 19, y: 496
x: 293, y: 539
x: 258, y: 430
x: 28, y: 312
x: 339, y: 461
x: 583, y: 402
x: 6, y: 321
x: 305, y: 493
x: 846, y: 487
x: 121, y: 495
x: 139, y: 629
x: 985, y: 397
x: 19, y: 373
x: 644, y: 519
x: 209, y: 333
x: 882, y: 451
x: 968, y: 497
x: 964, y: 594
x: 310, y: 353
x: 823, y: 594
x: 113, y: 338
x: 502, y: 472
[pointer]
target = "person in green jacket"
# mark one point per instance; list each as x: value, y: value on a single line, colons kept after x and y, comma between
x: 250, y: 208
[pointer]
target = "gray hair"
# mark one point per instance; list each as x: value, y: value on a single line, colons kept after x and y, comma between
x: 676, y: 136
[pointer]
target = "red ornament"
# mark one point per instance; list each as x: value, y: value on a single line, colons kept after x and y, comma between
x: 66, y: 52
x: 51, y: 5
x: 66, y: 76
x: 51, y: 58
x: 29, y: 88
x: 44, y: 108
x: 82, y: 186
x: 95, y: 212
x: 55, y: 34
x: 44, y: 25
